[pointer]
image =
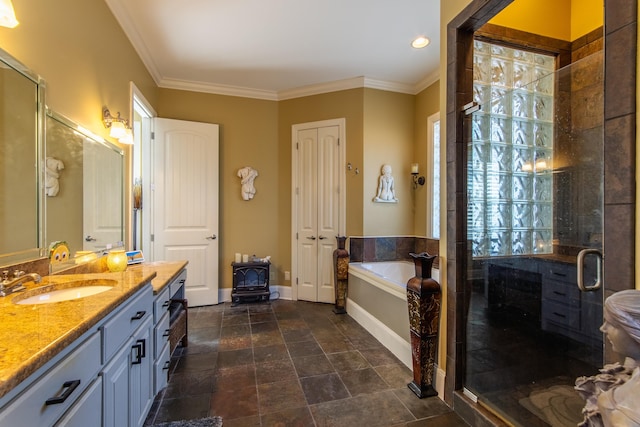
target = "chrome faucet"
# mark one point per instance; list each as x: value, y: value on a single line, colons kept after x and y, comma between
x: 9, y: 286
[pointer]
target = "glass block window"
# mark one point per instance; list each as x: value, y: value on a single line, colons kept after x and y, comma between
x: 510, y: 162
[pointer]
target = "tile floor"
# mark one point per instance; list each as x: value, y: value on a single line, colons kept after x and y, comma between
x: 286, y: 363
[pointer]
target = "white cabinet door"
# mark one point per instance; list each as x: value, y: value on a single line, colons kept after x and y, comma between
x: 185, y: 203
x: 115, y: 380
x: 141, y: 375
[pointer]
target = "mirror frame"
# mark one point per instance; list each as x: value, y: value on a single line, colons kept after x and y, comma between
x: 39, y: 251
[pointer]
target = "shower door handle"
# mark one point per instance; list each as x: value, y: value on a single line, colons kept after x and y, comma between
x: 580, y: 270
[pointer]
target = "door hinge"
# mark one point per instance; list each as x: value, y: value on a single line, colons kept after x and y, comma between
x: 296, y: 281
x: 297, y: 146
x: 153, y: 237
x: 338, y: 142
x: 296, y: 236
x: 153, y: 135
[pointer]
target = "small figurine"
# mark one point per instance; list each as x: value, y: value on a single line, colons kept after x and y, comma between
x: 248, y: 174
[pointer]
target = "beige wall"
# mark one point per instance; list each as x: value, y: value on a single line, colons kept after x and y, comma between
x: 80, y: 50
x: 388, y: 139
x: 248, y: 137
x: 427, y: 103
x: 347, y: 104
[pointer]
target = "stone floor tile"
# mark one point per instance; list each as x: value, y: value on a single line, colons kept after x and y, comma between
x: 323, y: 388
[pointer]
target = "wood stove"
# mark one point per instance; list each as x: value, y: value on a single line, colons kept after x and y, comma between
x: 250, y: 281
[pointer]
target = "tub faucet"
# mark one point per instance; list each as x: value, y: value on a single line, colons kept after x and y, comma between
x: 9, y: 286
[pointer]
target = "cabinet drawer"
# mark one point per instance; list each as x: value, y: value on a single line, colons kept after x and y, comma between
x: 161, y: 334
x: 561, y: 272
x: 561, y: 314
x: 61, y: 387
x: 125, y: 323
x: 161, y: 305
x: 177, y: 283
x: 88, y: 409
x: 161, y: 370
x: 561, y: 292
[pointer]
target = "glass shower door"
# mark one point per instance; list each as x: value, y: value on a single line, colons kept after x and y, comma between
x: 534, y: 202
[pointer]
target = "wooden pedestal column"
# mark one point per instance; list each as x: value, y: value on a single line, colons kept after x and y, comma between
x: 423, y: 299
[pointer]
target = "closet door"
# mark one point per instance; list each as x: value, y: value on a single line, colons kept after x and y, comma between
x: 318, y: 209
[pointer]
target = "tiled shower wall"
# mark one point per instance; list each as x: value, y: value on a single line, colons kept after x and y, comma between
x: 394, y: 248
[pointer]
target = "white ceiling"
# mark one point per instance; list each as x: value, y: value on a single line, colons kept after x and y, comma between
x: 279, y: 49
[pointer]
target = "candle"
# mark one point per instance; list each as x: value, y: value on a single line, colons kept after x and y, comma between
x: 238, y: 257
x: 245, y: 258
x: 414, y: 168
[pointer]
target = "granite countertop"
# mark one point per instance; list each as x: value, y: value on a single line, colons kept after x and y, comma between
x: 165, y: 271
x: 31, y: 335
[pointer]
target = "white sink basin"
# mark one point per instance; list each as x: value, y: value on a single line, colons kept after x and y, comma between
x: 64, y: 292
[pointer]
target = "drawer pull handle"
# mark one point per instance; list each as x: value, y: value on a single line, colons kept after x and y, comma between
x: 166, y: 365
x: 555, y: 273
x: 143, y: 346
x: 182, y: 281
x: 139, y: 315
x: 68, y: 387
x: 560, y: 315
x: 140, y: 350
x: 166, y: 303
x: 560, y: 293
x: 166, y: 332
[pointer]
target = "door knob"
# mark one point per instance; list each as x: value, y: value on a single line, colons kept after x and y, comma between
x: 212, y: 237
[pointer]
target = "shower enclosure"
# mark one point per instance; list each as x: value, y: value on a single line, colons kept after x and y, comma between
x: 534, y: 229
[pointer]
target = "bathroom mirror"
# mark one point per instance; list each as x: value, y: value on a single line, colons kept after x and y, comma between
x: 83, y: 188
x: 21, y: 131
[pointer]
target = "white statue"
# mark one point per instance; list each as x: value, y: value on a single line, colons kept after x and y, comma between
x: 612, y: 397
x: 248, y: 174
x: 51, y: 184
x: 386, y: 187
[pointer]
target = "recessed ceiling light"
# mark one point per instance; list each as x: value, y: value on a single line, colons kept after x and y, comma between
x: 420, y: 42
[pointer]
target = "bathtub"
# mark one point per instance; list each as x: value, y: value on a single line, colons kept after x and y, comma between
x: 377, y: 300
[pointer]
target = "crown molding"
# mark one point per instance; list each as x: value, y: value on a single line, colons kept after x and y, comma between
x: 318, y: 89
x: 300, y: 92
x: 427, y: 81
x: 136, y: 41
x: 216, y: 89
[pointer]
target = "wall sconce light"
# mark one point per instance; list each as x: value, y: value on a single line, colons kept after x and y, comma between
x: 119, y: 127
x: 7, y: 14
x: 416, y: 179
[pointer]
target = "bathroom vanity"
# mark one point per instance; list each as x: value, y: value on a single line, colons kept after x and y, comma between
x: 98, y: 360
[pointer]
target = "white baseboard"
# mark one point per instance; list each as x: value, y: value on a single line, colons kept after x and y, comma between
x: 392, y: 341
x: 277, y: 292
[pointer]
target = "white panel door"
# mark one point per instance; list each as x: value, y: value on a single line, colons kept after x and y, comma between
x: 185, y: 202
x: 318, y: 201
x: 101, y: 200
